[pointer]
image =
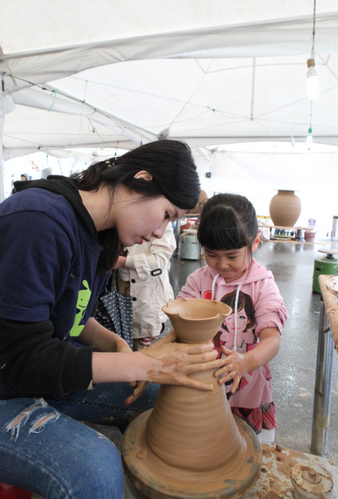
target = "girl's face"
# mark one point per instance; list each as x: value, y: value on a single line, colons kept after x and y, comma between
x: 230, y: 264
x: 141, y: 218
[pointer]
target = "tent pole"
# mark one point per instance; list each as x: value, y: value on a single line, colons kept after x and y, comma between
x: 6, y: 106
x: 253, y: 88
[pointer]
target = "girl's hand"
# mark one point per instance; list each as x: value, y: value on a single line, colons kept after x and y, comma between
x: 146, y: 341
x: 173, y: 362
x: 236, y: 366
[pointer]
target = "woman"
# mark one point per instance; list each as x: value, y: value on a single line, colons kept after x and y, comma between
x: 60, y: 238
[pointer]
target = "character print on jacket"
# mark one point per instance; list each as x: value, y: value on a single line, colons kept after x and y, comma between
x: 82, y: 303
x: 246, y: 337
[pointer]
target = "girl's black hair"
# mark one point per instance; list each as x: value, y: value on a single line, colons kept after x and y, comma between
x: 174, y: 176
x: 227, y: 221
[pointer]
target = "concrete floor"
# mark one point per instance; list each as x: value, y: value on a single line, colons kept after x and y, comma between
x: 294, y: 367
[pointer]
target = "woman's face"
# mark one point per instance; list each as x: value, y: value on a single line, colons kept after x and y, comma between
x: 141, y: 218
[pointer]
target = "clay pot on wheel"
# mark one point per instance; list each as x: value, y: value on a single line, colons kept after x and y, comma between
x: 285, y: 208
x: 190, y: 446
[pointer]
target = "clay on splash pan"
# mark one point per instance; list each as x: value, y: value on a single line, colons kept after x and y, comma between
x: 190, y: 445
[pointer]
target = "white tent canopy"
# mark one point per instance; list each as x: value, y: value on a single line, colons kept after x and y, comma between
x: 100, y: 76
x: 107, y: 74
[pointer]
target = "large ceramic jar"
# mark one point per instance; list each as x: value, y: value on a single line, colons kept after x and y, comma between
x: 285, y: 208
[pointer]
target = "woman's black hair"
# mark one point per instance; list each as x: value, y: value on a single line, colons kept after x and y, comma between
x: 227, y: 221
x: 174, y: 176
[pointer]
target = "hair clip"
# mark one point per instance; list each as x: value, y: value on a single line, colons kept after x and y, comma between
x: 110, y: 162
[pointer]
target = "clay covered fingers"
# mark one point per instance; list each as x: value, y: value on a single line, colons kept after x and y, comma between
x: 173, y: 362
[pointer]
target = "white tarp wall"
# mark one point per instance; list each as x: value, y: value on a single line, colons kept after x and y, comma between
x: 115, y: 74
x: 258, y: 176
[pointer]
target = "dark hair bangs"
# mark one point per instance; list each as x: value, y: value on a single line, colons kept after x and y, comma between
x: 220, y: 230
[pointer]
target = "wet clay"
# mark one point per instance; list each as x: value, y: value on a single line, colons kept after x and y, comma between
x: 190, y: 444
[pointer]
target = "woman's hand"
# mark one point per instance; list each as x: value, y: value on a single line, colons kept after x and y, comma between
x: 102, y: 338
x: 173, y: 362
x: 139, y: 386
x: 236, y: 366
x: 120, y: 345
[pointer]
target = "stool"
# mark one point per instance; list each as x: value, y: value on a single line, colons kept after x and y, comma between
x: 11, y: 492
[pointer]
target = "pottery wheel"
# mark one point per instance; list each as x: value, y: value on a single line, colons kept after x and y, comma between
x: 311, y: 482
x: 158, y: 480
x: 329, y: 252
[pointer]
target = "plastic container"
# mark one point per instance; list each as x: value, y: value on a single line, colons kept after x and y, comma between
x: 190, y: 249
x: 11, y: 492
x: 309, y: 236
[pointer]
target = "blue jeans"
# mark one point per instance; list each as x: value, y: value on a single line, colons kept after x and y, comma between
x: 46, y: 449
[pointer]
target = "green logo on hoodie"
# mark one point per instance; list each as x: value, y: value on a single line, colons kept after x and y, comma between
x: 82, y: 303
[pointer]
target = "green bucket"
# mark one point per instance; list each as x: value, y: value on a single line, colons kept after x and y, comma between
x: 326, y: 265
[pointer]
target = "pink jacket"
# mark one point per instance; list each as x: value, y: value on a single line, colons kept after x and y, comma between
x: 260, y: 306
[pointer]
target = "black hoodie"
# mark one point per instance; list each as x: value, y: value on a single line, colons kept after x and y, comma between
x: 36, y: 356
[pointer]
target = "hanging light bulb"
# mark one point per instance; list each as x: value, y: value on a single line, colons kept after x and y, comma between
x: 312, y: 80
x: 309, y: 139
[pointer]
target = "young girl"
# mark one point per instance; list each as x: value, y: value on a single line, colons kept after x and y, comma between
x: 250, y: 337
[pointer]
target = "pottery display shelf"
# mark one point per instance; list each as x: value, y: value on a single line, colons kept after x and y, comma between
x: 298, y: 230
x: 275, y: 480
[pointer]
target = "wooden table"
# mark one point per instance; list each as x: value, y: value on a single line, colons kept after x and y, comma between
x: 327, y: 342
